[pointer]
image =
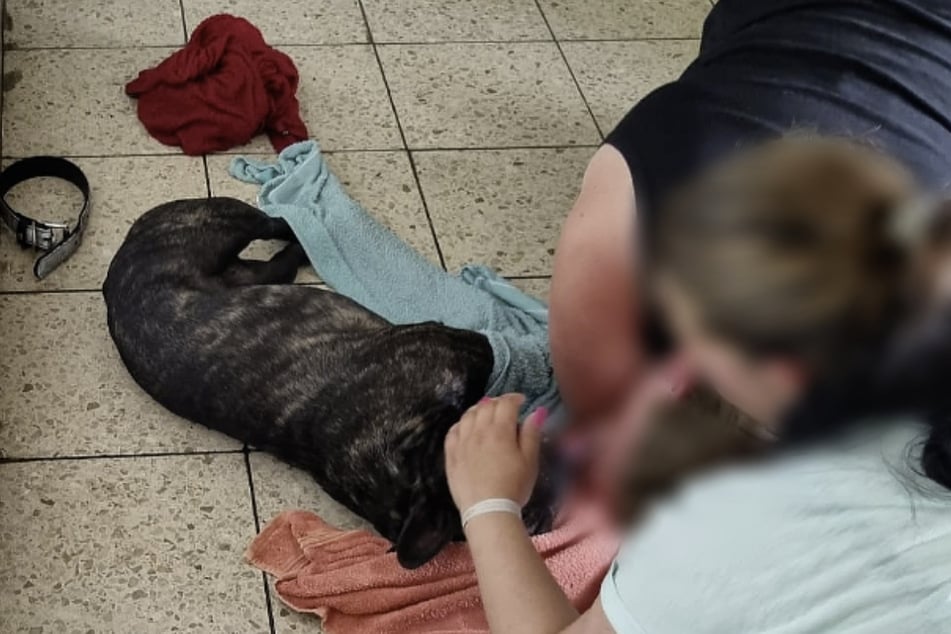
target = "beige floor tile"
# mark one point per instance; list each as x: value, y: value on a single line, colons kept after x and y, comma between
x: 73, y: 102
x: 103, y: 23
x: 66, y: 392
x: 537, y: 287
x: 486, y: 95
x: 144, y: 545
x: 457, y: 20
x: 381, y: 181
x: 615, y: 75
x: 286, y: 621
x: 278, y: 487
x: 607, y: 19
x: 342, y: 98
x: 503, y: 208
x: 122, y: 190
x: 308, y: 22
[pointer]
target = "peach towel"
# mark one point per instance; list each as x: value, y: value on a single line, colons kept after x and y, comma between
x: 356, y: 586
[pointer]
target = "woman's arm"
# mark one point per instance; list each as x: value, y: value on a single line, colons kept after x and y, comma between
x: 489, y: 456
x: 596, y: 348
x: 518, y: 592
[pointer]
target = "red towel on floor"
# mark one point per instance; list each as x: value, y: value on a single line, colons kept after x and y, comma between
x: 357, y: 587
x: 219, y: 91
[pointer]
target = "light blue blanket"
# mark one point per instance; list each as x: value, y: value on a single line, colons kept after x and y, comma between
x: 360, y: 258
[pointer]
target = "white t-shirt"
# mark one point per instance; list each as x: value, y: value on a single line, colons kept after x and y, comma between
x: 846, y: 538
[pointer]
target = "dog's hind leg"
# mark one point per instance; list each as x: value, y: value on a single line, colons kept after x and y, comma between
x: 280, y: 269
x: 238, y: 224
x: 276, y: 229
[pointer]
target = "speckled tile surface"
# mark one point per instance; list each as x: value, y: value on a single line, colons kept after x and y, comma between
x: 144, y: 545
x: 625, y: 19
x: 342, y: 98
x: 103, y: 23
x: 536, y: 287
x: 310, y: 22
x: 122, y: 190
x: 614, y: 75
x: 486, y: 95
x: 278, y: 487
x: 455, y: 20
x: 66, y: 392
x: 381, y: 181
x: 503, y: 208
x: 73, y: 102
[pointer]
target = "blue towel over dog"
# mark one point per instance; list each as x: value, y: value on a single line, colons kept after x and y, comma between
x: 360, y: 258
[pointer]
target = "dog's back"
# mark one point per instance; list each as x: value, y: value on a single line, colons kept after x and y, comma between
x: 307, y: 374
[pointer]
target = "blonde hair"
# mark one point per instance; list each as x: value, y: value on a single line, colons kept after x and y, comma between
x: 821, y: 249
x: 787, y: 247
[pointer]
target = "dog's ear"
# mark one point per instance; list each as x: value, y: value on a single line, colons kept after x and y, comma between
x: 432, y: 521
x: 427, y: 529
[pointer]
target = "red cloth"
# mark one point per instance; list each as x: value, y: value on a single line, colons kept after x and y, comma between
x: 219, y: 91
x: 354, y: 583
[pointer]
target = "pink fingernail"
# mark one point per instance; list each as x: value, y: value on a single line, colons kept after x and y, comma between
x: 484, y: 399
x: 538, y: 418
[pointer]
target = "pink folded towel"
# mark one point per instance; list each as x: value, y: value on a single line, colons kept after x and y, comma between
x: 356, y: 586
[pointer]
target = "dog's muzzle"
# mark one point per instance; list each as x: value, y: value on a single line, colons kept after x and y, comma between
x: 56, y: 239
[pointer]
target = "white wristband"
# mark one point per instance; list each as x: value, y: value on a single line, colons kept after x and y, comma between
x: 492, y: 505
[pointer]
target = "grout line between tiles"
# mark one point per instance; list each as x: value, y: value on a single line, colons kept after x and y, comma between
x: 204, y: 160
x: 181, y: 12
x: 269, y: 604
x: 528, y: 41
x: 15, y: 49
x: 652, y: 38
x: 124, y: 456
x: 51, y: 291
x: 571, y: 72
x: 399, y: 127
x: 492, y: 148
x: 257, y: 529
x: 130, y: 47
x: 13, y: 157
x: 456, y: 42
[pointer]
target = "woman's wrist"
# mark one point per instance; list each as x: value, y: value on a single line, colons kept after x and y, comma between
x: 492, y: 524
x: 488, y: 506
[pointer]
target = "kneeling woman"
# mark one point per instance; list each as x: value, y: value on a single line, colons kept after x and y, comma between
x: 879, y: 70
x: 809, y: 282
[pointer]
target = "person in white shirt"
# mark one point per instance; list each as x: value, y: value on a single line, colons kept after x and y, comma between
x: 808, y: 281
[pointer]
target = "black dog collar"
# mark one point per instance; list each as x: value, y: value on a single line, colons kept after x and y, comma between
x: 55, y: 238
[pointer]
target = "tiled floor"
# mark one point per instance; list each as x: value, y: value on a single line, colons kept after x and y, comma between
x: 465, y: 125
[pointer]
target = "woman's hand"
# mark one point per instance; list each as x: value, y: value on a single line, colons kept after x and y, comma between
x: 488, y: 455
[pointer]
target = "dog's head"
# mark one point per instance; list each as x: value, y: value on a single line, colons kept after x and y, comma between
x: 432, y: 520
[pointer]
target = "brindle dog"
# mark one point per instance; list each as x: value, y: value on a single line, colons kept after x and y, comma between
x: 311, y: 376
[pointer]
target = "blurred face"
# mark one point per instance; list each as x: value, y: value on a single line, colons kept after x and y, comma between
x: 762, y: 388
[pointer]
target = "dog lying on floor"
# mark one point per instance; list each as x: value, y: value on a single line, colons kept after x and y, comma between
x: 311, y: 376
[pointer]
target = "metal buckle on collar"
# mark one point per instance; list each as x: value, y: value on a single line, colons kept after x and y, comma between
x: 43, y: 236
